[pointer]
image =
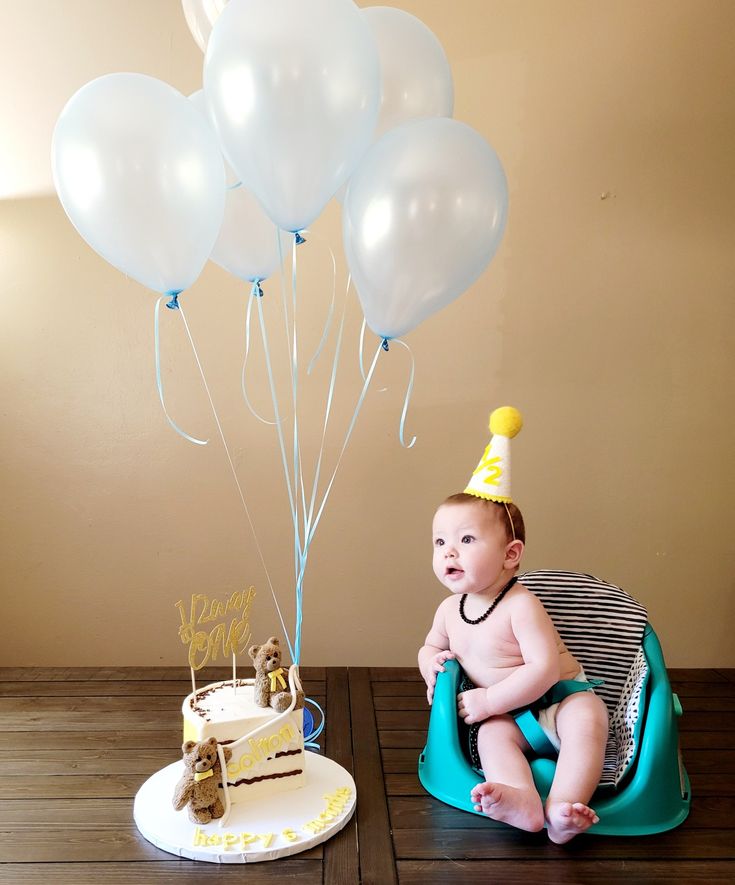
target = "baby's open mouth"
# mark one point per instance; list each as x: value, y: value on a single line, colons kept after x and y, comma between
x: 453, y: 570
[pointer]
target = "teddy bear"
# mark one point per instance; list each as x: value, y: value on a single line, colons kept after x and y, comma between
x: 270, y: 689
x: 198, y: 786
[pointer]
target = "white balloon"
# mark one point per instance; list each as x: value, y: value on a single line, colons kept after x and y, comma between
x: 415, y: 73
x: 247, y: 245
x: 141, y: 177
x: 199, y: 101
x: 416, y: 76
x: 424, y: 214
x: 293, y: 88
x: 200, y: 17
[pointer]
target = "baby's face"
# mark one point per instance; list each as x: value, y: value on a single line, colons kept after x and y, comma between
x: 469, y: 548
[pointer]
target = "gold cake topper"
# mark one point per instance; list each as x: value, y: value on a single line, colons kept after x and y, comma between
x: 206, y: 645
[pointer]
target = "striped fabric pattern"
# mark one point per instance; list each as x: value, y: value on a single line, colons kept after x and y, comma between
x: 602, y: 626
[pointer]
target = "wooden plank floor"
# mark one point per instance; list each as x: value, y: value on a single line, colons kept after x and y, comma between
x: 78, y: 743
x: 433, y: 843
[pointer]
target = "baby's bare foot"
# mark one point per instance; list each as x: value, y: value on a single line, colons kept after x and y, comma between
x: 511, y: 805
x: 566, y: 820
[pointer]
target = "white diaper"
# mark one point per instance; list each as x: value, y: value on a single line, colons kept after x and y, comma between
x: 547, y: 717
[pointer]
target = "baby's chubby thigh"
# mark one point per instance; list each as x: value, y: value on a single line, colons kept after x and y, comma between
x: 582, y: 714
x: 498, y: 738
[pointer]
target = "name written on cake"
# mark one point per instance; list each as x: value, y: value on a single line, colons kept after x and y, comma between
x: 260, y: 749
x: 205, y: 644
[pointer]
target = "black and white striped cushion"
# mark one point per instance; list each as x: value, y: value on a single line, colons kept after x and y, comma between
x: 602, y: 626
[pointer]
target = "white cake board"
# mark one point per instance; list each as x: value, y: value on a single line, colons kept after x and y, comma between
x: 290, y: 810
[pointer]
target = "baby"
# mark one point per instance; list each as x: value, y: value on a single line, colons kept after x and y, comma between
x: 509, y: 649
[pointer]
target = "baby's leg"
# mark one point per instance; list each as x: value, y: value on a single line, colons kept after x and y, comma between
x: 581, y: 723
x: 509, y: 794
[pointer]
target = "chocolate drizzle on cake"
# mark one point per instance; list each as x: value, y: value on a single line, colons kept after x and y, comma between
x: 264, y: 777
x: 199, y: 695
x: 200, y: 712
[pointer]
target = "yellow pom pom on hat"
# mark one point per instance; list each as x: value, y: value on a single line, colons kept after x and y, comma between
x: 491, y: 479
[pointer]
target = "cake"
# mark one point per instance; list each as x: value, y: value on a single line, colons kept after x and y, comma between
x: 244, y: 790
x: 267, y: 747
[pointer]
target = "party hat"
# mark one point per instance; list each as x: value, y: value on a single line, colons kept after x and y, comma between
x: 491, y: 479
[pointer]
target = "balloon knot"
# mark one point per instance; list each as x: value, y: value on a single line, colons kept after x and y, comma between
x: 257, y: 290
x: 173, y: 304
x: 384, y: 345
x: 299, y: 238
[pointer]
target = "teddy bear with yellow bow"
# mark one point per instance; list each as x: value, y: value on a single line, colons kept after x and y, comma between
x: 198, y: 787
x: 271, y: 678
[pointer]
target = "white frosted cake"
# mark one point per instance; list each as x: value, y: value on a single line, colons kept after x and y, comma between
x: 267, y: 747
x: 244, y: 789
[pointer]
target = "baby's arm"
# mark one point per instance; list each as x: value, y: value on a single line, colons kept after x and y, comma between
x: 536, y: 637
x: 434, y: 652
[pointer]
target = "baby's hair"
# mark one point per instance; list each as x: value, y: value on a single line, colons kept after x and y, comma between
x: 508, y: 515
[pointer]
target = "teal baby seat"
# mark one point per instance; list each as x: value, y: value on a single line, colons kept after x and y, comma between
x: 644, y: 787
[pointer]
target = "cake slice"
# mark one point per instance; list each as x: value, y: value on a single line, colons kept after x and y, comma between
x: 267, y: 747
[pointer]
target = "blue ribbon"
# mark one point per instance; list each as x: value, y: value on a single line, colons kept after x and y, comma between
x: 409, y: 390
x: 313, y: 735
x: 279, y: 431
x: 255, y: 292
x: 351, y: 427
x: 327, y: 412
x: 330, y: 314
x: 173, y: 304
x: 300, y: 553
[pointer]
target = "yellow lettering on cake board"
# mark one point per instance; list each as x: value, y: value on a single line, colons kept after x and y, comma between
x: 200, y: 838
x: 335, y: 806
x: 231, y: 840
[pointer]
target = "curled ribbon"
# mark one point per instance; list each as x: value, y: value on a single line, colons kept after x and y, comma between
x: 173, y: 304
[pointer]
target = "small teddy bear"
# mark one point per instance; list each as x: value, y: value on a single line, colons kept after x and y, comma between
x: 198, y: 786
x: 271, y: 679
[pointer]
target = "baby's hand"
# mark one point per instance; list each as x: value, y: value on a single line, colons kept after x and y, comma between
x: 434, y: 668
x: 473, y: 705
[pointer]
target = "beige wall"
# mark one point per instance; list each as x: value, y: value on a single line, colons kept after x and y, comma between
x: 606, y: 317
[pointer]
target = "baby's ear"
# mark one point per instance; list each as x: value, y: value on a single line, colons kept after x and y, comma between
x: 514, y: 552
